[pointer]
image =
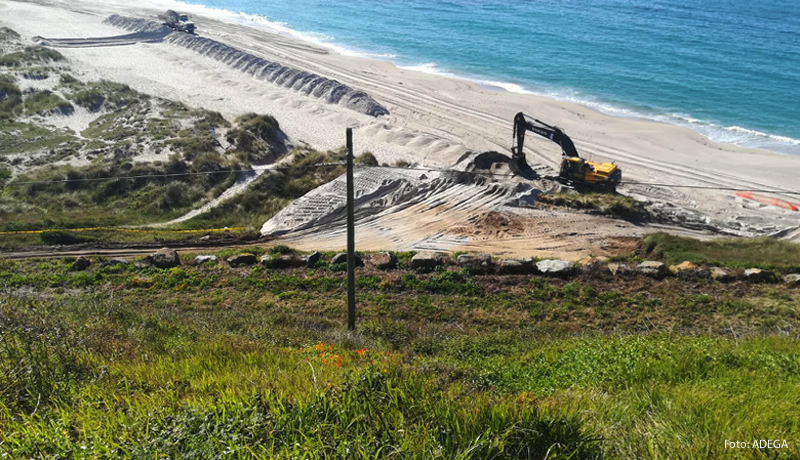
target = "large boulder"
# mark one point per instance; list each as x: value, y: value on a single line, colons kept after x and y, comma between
x: 722, y: 275
x: 200, y: 260
x: 652, y: 268
x: 516, y: 267
x: 482, y: 261
x: 757, y: 275
x: 311, y: 259
x: 341, y: 258
x: 384, y: 261
x: 792, y: 280
x: 560, y: 268
x: 688, y: 270
x: 81, y: 264
x: 242, y: 260
x: 164, y: 258
x: 428, y: 259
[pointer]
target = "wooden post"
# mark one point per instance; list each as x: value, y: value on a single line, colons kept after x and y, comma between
x: 351, y: 238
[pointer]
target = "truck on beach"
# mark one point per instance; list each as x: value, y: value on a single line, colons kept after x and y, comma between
x: 180, y: 22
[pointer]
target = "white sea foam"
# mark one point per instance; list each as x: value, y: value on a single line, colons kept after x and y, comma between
x: 429, y: 68
x: 260, y: 21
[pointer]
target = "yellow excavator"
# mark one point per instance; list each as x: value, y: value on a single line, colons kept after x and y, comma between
x: 574, y: 169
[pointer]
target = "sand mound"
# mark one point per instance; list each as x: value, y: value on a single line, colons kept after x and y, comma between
x: 136, y: 24
x: 330, y: 91
x: 406, y: 210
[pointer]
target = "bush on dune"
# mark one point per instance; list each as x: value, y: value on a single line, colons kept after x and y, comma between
x: 257, y: 138
x: 30, y: 55
x: 46, y: 102
x: 10, y: 98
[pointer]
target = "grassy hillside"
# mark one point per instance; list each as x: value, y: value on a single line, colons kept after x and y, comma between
x: 766, y: 253
x: 202, y: 361
x: 166, y: 158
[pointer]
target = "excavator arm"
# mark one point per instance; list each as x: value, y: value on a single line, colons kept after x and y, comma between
x: 522, y: 125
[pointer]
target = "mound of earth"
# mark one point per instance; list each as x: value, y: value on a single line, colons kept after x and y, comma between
x: 404, y: 210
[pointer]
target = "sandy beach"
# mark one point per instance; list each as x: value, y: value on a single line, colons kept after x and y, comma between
x: 433, y: 119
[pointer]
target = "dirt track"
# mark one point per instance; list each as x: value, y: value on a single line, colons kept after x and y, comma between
x: 125, y: 249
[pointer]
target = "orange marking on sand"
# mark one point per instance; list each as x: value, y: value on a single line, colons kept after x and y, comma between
x: 769, y: 200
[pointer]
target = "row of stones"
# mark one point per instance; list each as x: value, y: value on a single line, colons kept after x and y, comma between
x: 168, y: 258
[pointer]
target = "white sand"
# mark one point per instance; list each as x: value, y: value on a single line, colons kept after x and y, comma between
x: 433, y: 119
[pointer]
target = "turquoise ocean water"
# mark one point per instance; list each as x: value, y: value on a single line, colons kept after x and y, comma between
x: 729, y: 69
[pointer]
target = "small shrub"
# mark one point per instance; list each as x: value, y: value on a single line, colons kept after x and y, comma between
x: 10, y: 98
x: 366, y: 159
x: 282, y: 249
x: 61, y: 238
x: 91, y: 99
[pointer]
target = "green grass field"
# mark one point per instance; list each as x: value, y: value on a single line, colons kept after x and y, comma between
x: 215, y: 362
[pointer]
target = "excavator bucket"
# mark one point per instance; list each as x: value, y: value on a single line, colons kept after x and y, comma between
x: 521, y: 167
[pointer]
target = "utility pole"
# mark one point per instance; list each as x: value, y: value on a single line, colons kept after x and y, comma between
x: 351, y: 238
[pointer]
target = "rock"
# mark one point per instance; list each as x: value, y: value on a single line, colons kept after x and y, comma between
x: 593, y: 260
x: 756, y: 275
x: 143, y: 263
x: 516, y: 267
x: 688, y: 270
x: 721, y: 274
x: 242, y: 260
x: 619, y: 269
x: 384, y: 261
x: 205, y: 238
x: 652, y: 268
x: 118, y: 261
x: 483, y: 261
x: 200, y: 260
x: 164, y: 258
x: 555, y: 267
x: 792, y: 280
x: 311, y: 260
x: 284, y: 261
x: 81, y: 264
x: 428, y: 259
x: 341, y: 258
x: 596, y: 267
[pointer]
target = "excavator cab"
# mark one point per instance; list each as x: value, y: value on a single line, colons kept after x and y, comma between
x: 574, y: 169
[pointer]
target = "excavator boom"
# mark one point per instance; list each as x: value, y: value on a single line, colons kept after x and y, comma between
x: 521, y: 125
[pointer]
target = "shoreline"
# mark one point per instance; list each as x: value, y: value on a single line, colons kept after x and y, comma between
x: 735, y: 135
